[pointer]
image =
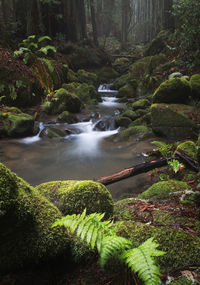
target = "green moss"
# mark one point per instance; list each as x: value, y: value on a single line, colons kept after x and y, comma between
x: 181, y: 248
x: 121, y: 64
x: 163, y: 189
x: 14, y: 123
x: 127, y: 91
x: 175, y: 90
x: 87, y: 77
x: 130, y: 114
x: 140, y: 104
x: 195, y: 85
x: 67, y: 117
x: 107, y: 74
x: 121, y: 121
x: 74, y: 196
x: 157, y: 44
x: 25, y: 220
x: 188, y: 148
x: 121, y: 81
x: 85, y: 92
x: 173, y: 120
x: 72, y: 76
x: 141, y: 131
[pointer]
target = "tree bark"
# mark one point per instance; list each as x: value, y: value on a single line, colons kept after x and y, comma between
x: 94, y: 25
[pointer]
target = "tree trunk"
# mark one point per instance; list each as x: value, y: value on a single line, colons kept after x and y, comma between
x: 94, y: 25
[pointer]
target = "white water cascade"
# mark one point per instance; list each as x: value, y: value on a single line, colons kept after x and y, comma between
x: 30, y: 140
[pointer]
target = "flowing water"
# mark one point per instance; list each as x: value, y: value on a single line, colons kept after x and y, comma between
x: 85, y: 154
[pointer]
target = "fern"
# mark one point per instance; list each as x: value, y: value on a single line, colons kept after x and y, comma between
x: 43, y: 38
x: 95, y: 232
x: 164, y: 148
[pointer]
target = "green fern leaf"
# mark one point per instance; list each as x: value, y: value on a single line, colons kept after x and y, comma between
x: 46, y: 49
x: 43, y: 38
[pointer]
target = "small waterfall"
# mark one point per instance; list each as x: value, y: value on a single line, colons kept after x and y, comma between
x: 106, y: 88
x: 30, y: 140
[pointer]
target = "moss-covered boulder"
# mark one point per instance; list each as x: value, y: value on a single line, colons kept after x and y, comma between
x: 67, y: 117
x: 121, y: 64
x: 173, y: 120
x: 74, y: 196
x: 130, y: 114
x: 14, y: 123
x: 121, y: 81
x: 139, y: 132
x: 166, y: 190
x: 106, y: 74
x: 85, y: 92
x: 121, y: 121
x: 141, y: 104
x: 64, y: 100
x: 195, y: 86
x: 87, y: 77
x: 175, y: 90
x: 26, y: 218
x: 157, y: 44
x: 182, y: 248
x: 127, y: 91
x: 188, y: 148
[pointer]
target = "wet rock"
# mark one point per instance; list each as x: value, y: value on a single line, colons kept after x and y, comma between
x: 121, y: 64
x: 104, y: 124
x: 121, y: 81
x: 140, y: 104
x: 175, y: 90
x: 157, y: 44
x: 26, y: 218
x: 121, y: 121
x: 130, y: 114
x: 127, y: 91
x: 52, y: 132
x: 71, y: 130
x: 188, y: 148
x: 72, y: 197
x: 14, y: 123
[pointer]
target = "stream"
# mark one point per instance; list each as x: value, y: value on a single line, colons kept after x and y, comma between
x: 84, y: 154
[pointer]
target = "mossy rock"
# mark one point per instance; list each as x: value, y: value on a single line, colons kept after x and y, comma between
x: 140, y: 104
x: 127, y: 91
x: 64, y: 101
x: 52, y: 132
x: 157, y: 44
x: 182, y: 248
x: 121, y: 81
x: 175, y: 90
x: 173, y: 120
x: 121, y: 64
x: 139, y: 131
x: 87, y: 77
x: 195, y: 86
x: 107, y: 74
x: 122, y: 121
x: 26, y: 218
x: 130, y: 114
x: 165, y: 190
x: 85, y: 92
x: 72, y: 197
x: 67, y: 117
x: 14, y: 123
x: 188, y: 148
x: 72, y: 76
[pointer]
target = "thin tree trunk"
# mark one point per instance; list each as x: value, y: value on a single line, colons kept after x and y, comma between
x: 94, y: 25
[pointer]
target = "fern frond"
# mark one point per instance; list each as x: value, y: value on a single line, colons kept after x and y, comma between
x: 159, y: 144
x: 112, y: 246
x: 140, y: 260
x: 43, y: 38
x: 46, y: 49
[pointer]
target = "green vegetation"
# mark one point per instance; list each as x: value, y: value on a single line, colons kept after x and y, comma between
x: 100, y: 234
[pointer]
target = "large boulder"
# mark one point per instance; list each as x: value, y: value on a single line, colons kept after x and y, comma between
x: 173, y: 120
x: 63, y: 101
x: 140, y: 104
x: 157, y: 44
x: 195, y: 86
x: 72, y: 197
x: 14, y: 123
x: 87, y: 77
x: 26, y: 218
x: 174, y: 90
x: 121, y: 64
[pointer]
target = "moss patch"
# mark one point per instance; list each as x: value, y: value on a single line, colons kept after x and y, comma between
x: 25, y: 220
x: 74, y: 196
x: 140, y: 104
x: 195, y: 85
x: 175, y: 90
x: 188, y: 148
x: 163, y: 189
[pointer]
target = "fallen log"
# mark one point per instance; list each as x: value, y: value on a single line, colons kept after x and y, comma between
x: 132, y: 171
x: 145, y: 167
